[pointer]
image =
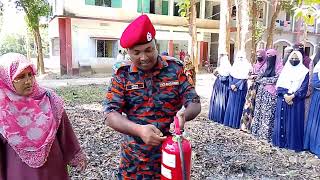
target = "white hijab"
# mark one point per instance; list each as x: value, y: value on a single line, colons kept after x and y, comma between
x: 292, y: 77
x: 241, y: 66
x: 224, y: 65
x: 317, y: 69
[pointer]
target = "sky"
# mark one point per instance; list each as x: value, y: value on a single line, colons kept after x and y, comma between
x: 13, y: 21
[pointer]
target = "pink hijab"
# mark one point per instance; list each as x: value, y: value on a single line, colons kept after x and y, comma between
x: 278, y: 67
x: 259, y: 67
x: 28, y: 124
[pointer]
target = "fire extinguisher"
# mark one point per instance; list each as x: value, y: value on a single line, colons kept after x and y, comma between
x: 176, y: 156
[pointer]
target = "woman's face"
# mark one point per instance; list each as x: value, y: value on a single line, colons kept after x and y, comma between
x: 23, y: 83
x: 294, y: 60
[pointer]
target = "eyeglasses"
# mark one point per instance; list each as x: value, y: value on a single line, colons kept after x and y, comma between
x: 24, y: 78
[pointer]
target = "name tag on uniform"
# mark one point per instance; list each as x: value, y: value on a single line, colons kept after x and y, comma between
x: 170, y: 83
x: 135, y: 86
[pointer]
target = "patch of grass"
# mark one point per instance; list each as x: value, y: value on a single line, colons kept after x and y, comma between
x: 82, y: 94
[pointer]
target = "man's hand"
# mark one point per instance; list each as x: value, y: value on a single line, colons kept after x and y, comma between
x: 151, y: 135
x: 182, y: 120
x: 234, y: 87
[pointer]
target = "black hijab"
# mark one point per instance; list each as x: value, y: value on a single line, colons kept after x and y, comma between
x: 271, y: 66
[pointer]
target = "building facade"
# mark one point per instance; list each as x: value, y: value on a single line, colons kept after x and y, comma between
x: 288, y: 31
x: 85, y: 33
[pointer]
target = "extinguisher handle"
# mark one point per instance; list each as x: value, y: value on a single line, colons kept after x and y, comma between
x: 177, y: 129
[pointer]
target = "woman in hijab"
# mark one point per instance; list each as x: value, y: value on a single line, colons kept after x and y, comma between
x: 264, y: 111
x: 317, y: 55
x: 220, y: 90
x: 312, y: 131
x: 292, y: 88
x: 36, y: 138
x: 190, y: 70
x: 249, y: 105
x: 287, y: 52
x: 237, y: 90
x: 308, y: 64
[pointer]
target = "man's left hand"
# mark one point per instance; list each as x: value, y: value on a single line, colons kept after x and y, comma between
x: 181, y: 116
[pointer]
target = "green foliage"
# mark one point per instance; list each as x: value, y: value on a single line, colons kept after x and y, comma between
x: 13, y: 43
x: 260, y: 29
x: 34, y: 9
x: 306, y: 11
x: 45, y: 41
x: 184, y: 7
x: 288, y: 6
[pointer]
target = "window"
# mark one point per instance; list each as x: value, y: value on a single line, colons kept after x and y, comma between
x: 105, y: 3
x: 288, y: 15
x: 55, y: 42
x: 283, y: 48
x: 234, y: 11
x: 307, y: 51
x: 144, y: 6
x: 106, y: 48
x: 260, y: 13
x: 198, y: 9
x: 176, y: 9
x: 165, y: 7
x: 152, y: 7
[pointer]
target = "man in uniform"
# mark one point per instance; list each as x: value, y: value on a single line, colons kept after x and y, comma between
x: 150, y: 90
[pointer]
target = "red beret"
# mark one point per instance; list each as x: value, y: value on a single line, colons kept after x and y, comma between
x: 139, y: 31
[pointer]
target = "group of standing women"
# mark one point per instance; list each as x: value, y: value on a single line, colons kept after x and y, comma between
x: 276, y: 100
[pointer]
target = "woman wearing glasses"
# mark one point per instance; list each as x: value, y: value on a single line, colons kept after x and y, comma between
x: 36, y: 138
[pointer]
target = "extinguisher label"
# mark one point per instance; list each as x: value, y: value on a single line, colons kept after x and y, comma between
x: 166, y: 172
x: 169, y: 159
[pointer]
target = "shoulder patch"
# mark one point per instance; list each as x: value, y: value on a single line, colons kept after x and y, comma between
x: 120, y: 65
x: 172, y: 59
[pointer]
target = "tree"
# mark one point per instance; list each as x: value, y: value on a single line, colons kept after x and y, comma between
x: 257, y: 28
x: 242, y: 18
x: 306, y: 12
x: 34, y: 10
x: 275, y: 14
x: 187, y: 8
x: 238, y: 22
x: 13, y: 43
x: 278, y: 5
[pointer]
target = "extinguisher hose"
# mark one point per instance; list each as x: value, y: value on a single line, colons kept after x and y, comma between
x: 183, y: 167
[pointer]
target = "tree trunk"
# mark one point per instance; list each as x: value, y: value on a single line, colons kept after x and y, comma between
x: 193, y: 33
x: 223, y: 28
x: 37, y: 37
x: 238, y: 39
x: 228, y: 25
x: 272, y: 25
x: 305, y: 33
x: 254, y: 29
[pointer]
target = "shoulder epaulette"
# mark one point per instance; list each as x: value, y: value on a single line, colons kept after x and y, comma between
x: 120, y: 65
x: 172, y: 59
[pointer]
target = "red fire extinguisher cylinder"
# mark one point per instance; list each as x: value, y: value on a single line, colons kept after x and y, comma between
x: 176, y: 156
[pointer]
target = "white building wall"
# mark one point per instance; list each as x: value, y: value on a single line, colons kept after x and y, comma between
x: 130, y: 5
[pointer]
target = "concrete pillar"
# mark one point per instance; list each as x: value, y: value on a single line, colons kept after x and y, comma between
x: 202, y: 9
x: 171, y: 7
x: 65, y: 46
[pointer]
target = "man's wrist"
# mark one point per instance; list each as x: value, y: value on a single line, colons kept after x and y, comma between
x: 137, y: 129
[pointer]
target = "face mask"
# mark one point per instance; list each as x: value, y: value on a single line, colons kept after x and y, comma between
x: 294, y: 61
x: 259, y: 58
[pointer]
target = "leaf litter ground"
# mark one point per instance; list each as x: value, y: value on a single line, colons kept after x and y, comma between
x: 218, y: 152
